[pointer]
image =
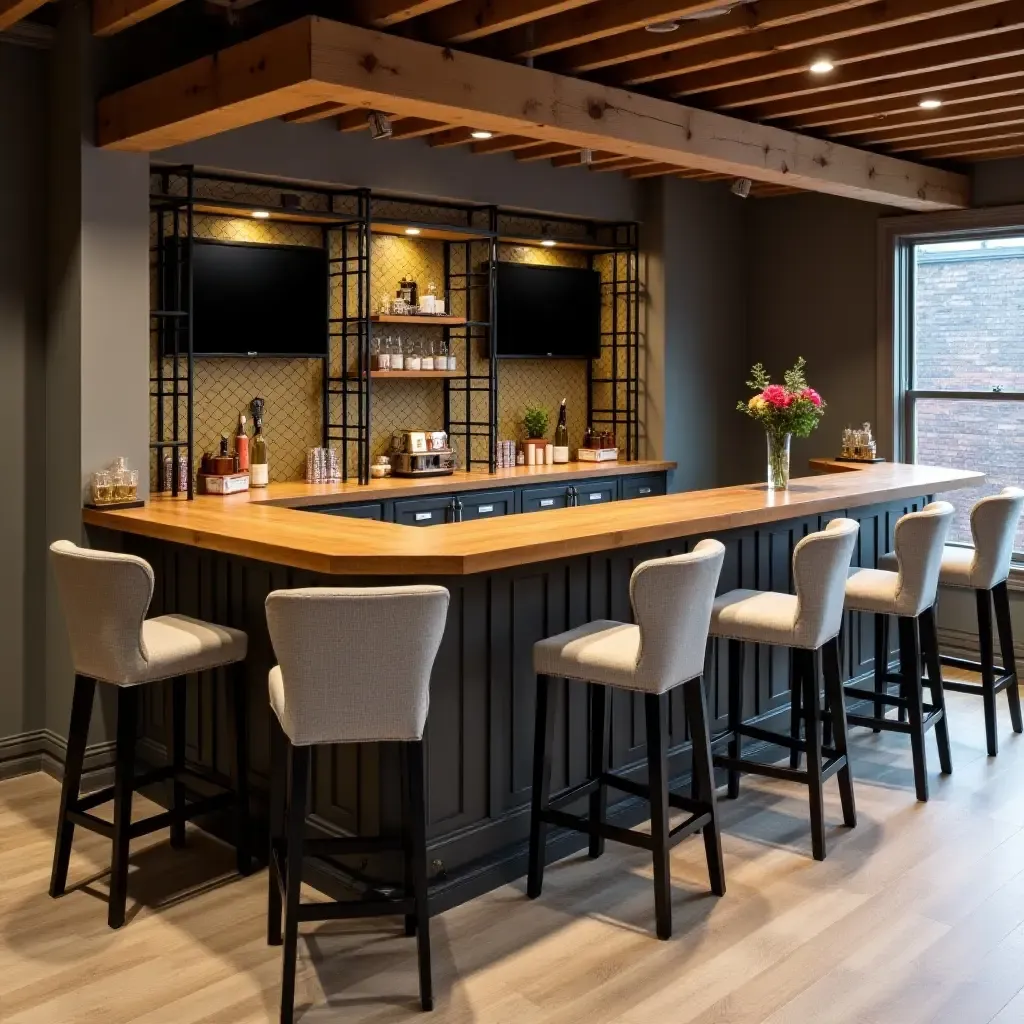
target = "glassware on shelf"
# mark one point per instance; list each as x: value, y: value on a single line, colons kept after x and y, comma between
x: 427, y: 357
x: 413, y: 358
x: 102, y: 488
x: 396, y: 353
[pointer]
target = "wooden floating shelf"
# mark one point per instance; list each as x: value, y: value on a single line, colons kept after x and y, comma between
x: 410, y: 374
x: 443, y: 321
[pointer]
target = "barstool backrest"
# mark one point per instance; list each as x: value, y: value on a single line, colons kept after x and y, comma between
x: 355, y: 662
x: 994, y: 526
x: 821, y: 563
x: 918, y: 543
x: 105, y: 596
x: 672, y: 599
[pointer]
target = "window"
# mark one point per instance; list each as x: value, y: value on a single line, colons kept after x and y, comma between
x: 963, y: 363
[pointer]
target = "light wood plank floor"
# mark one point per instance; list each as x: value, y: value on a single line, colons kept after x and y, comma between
x: 917, y: 916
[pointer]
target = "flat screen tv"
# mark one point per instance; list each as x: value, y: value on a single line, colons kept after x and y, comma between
x: 547, y: 312
x: 258, y: 300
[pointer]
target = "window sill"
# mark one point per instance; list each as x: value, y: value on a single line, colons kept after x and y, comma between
x: 1016, y: 580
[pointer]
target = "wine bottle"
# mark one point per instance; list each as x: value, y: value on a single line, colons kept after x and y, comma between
x: 561, y: 452
x: 259, y: 465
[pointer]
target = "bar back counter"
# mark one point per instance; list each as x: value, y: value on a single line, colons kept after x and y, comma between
x: 514, y: 579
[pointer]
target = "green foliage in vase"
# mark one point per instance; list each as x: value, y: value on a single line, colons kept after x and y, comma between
x: 535, y: 420
x: 789, y: 408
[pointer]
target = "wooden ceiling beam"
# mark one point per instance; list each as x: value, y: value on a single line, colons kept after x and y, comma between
x: 545, y: 151
x: 997, y: 143
x: 112, y: 16
x: 1001, y: 153
x: 450, y: 137
x: 939, y: 128
x: 638, y: 44
x: 385, y: 13
x: 651, y: 171
x: 964, y: 143
x: 831, y: 34
x: 12, y: 11
x: 475, y: 19
x: 914, y: 34
x: 315, y: 60
x: 503, y: 144
x: 624, y: 163
x: 576, y: 160
x: 318, y: 112
x: 353, y: 120
x: 590, y: 23
x: 415, y: 127
x: 949, y: 58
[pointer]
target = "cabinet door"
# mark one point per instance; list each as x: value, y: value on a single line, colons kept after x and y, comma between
x: 423, y: 511
x: 595, y: 492
x: 539, y: 499
x: 374, y: 510
x: 643, y: 486
x: 487, y: 504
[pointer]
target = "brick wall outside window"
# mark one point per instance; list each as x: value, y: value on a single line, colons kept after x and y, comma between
x: 969, y: 335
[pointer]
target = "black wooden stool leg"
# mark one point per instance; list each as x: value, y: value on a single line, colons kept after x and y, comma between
x: 176, y: 749
x: 278, y: 800
x: 795, y: 710
x: 408, y: 839
x: 812, y: 716
x: 599, y: 723
x: 988, y: 672
x: 837, y: 713
x: 910, y: 670
x: 704, y: 782
x: 735, y: 714
x: 78, y: 738
x: 418, y: 814
x: 238, y: 690
x: 656, y: 710
x: 1001, y: 600
x: 543, y: 740
x: 881, y: 663
x: 124, y: 786
x: 930, y: 651
x: 296, y: 830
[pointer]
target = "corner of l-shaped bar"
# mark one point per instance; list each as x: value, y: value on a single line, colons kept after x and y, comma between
x: 278, y: 527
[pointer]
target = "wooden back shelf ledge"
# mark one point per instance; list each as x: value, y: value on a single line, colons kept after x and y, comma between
x: 273, y: 528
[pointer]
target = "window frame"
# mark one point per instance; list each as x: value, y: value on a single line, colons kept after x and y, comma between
x: 897, y: 396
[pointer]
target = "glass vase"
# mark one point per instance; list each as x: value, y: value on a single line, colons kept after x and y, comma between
x: 778, y: 461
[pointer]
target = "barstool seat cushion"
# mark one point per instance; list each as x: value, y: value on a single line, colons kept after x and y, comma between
x: 602, y: 651
x: 872, y: 590
x: 757, y: 616
x: 177, y: 645
x: 957, y: 570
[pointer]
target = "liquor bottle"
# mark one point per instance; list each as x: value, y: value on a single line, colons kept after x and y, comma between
x: 561, y: 452
x: 259, y: 466
x: 242, y: 445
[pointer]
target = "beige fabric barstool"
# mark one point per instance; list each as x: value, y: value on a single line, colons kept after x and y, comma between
x: 671, y: 599
x: 332, y: 686
x: 985, y: 569
x: 908, y: 593
x: 809, y: 623
x: 105, y: 597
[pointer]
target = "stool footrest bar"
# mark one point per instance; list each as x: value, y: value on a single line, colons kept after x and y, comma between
x: 882, y: 698
x: 350, y: 910
x: 886, y: 724
x: 570, y: 795
x: 91, y: 822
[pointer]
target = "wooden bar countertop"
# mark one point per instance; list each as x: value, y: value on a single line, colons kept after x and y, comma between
x: 254, y: 526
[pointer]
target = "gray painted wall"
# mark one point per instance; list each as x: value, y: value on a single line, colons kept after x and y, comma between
x: 998, y: 182
x: 23, y: 85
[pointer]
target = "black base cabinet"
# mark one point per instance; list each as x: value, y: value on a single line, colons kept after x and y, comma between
x: 479, y: 738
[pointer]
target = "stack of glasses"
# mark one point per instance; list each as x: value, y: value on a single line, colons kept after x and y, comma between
x: 322, y: 466
x: 506, y: 454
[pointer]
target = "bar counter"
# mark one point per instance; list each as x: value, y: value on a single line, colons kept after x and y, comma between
x: 513, y: 580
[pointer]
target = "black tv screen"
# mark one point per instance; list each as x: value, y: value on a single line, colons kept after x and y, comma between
x: 259, y: 300
x: 548, y: 312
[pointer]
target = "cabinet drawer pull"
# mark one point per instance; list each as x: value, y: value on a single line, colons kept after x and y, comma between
x: 420, y: 516
x: 596, y: 497
x: 546, y: 502
x: 645, y: 490
x: 485, y: 508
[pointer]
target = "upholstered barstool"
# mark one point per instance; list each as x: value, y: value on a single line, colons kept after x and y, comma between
x: 909, y: 594
x: 332, y: 685
x: 808, y: 623
x: 105, y: 597
x: 671, y: 599
x: 985, y: 569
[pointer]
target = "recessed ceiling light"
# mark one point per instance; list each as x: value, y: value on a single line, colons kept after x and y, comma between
x: 412, y: 231
x: 549, y: 243
x: 822, y: 66
x: 661, y: 28
x: 930, y: 104
x: 481, y: 133
x: 260, y: 214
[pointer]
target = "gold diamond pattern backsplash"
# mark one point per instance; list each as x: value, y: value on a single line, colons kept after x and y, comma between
x: 292, y: 388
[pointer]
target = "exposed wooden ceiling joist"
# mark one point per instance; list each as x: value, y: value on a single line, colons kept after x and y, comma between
x: 1007, y: 144
x: 928, y: 26
x: 637, y: 44
x: 961, y: 143
x: 315, y: 60
x: 933, y: 128
x: 545, y: 151
x: 474, y: 19
x: 112, y: 16
x: 450, y: 137
x: 414, y: 127
x: 503, y: 144
x: 12, y: 11
x: 385, y: 13
x: 353, y: 120
x: 318, y: 112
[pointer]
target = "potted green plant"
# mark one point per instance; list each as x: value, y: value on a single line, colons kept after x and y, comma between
x: 535, y: 423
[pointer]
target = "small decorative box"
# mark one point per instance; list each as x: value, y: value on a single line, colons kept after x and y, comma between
x: 226, y: 483
x: 597, y: 454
